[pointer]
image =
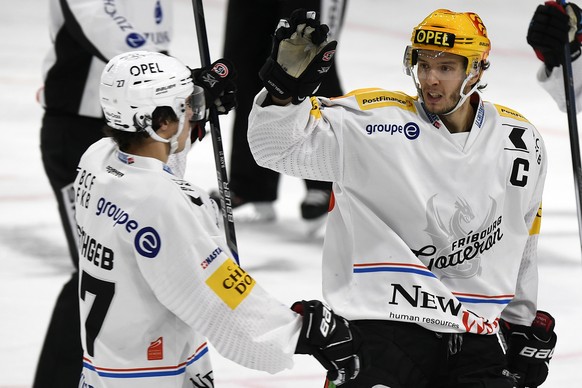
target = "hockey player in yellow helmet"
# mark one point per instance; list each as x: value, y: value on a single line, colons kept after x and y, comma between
x: 444, y: 35
x: 431, y: 238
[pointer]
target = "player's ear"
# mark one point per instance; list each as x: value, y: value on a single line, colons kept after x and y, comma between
x: 165, y: 129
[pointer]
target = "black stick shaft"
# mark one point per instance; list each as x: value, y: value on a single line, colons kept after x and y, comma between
x: 573, y: 130
x: 219, y: 158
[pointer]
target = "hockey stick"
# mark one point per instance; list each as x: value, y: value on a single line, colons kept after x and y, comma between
x: 573, y: 129
x: 219, y: 159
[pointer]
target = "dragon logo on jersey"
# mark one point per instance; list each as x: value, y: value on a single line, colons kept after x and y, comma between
x: 457, y: 244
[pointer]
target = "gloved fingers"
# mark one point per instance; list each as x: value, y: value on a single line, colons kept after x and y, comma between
x: 337, y: 377
x: 226, y: 102
x: 573, y: 12
x: 548, y: 32
x: 348, y: 372
x: 554, y: 5
x: 284, y: 30
x: 302, y: 16
x: 197, y: 131
x: 287, y: 27
x: 302, y: 24
x: 319, y: 34
x: 550, y: 11
x: 554, y: 14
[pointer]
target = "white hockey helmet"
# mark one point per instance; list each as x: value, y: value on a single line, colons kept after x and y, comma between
x: 135, y: 83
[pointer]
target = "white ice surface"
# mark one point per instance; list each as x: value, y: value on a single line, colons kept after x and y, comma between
x: 33, y: 257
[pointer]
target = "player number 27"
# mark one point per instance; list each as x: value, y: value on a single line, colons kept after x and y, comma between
x: 103, y: 292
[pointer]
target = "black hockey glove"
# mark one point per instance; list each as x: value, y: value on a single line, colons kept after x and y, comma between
x: 530, y: 349
x: 551, y: 27
x: 300, y: 57
x: 330, y: 339
x: 197, y: 102
x: 218, y: 83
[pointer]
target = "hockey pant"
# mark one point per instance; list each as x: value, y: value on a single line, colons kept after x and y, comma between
x: 405, y: 355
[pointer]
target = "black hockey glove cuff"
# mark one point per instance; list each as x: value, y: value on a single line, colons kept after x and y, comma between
x: 300, y: 58
x: 530, y: 349
x: 218, y: 83
x: 330, y: 339
x: 551, y: 27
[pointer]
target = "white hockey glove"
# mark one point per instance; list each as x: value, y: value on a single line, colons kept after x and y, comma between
x: 330, y: 339
x: 530, y: 349
x: 300, y: 57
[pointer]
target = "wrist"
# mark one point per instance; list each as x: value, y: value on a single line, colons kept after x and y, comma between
x: 272, y: 100
x: 279, y: 101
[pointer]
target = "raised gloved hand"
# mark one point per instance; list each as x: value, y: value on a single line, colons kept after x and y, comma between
x: 218, y: 83
x: 530, y: 349
x: 551, y: 27
x: 300, y: 57
x: 330, y: 339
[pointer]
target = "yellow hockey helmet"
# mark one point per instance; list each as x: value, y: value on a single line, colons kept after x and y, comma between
x: 460, y: 33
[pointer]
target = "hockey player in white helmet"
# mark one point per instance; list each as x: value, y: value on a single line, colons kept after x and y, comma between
x: 157, y: 279
x: 430, y: 247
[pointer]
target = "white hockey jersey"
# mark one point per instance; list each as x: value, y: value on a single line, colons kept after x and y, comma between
x: 157, y: 278
x: 554, y: 84
x: 422, y: 229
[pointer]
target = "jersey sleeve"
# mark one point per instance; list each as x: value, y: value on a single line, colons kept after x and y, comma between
x: 522, y: 309
x: 296, y: 140
x: 194, y: 275
x: 554, y: 85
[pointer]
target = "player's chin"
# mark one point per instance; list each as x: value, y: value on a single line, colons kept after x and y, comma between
x: 436, y: 108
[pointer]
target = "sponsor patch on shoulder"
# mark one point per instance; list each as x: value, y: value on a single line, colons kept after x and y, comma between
x: 383, y: 98
x: 231, y: 283
x: 506, y: 112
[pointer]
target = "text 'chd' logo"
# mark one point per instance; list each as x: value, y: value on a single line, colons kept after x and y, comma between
x: 231, y: 283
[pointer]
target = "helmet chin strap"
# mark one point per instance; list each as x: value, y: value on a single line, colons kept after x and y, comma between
x: 464, y: 96
x: 173, y: 140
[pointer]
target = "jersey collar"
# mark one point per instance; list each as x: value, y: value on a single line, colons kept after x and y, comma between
x: 143, y: 162
x: 478, y: 122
